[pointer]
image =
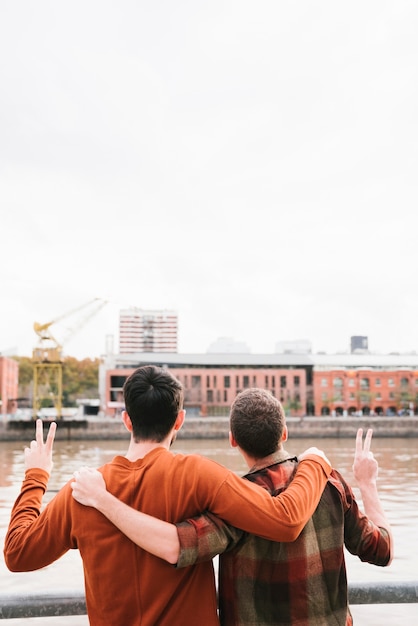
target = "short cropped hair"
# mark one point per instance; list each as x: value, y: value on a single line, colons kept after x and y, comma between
x: 153, y: 397
x: 257, y: 421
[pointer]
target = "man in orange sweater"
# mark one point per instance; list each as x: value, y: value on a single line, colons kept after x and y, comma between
x: 123, y: 583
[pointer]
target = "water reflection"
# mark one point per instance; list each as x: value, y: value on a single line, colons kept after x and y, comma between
x: 398, y: 487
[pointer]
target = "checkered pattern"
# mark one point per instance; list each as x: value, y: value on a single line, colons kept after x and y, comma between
x: 302, y: 583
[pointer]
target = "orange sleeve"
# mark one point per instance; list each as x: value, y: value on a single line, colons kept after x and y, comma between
x: 280, y: 518
x: 34, y: 539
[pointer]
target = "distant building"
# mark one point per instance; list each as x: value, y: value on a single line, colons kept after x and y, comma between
x: 9, y: 380
x: 147, y: 331
x: 211, y: 381
x: 296, y: 346
x: 359, y: 344
x: 226, y: 345
x: 306, y: 384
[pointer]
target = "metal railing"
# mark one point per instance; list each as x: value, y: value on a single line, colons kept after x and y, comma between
x: 73, y: 603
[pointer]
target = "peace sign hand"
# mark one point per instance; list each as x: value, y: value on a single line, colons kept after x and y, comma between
x: 365, y: 466
x: 39, y: 454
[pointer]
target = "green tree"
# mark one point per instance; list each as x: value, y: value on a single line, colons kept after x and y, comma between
x: 25, y: 370
x: 25, y: 380
x: 80, y: 379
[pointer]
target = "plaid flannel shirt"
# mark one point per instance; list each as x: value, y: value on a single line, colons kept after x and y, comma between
x: 301, y: 583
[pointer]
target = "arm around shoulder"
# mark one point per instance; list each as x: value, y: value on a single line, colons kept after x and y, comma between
x: 150, y: 533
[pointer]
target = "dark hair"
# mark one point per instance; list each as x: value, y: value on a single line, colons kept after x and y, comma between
x: 153, y: 398
x: 257, y: 421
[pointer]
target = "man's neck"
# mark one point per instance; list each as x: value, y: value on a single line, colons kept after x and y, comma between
x: 138, y: 449
x: 251, y: 460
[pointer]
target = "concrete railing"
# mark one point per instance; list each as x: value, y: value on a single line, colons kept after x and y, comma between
x: 217, y: 428
x: 73, y: 603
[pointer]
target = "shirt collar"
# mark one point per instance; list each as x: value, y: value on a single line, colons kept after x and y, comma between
x: 277, y: 457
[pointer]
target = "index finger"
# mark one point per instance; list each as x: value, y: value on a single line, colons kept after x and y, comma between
x: 39, y: 436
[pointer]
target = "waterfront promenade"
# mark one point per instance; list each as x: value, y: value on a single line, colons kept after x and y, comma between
x: 95, y: 428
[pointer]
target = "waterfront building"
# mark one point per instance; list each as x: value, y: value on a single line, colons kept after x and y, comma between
x: 147, y: 331
x: 306, y: 384
x: 365, y: 384
x: 9, y: 382
x: 211, y: 381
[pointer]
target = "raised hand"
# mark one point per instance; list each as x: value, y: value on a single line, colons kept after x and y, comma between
x: 365, y: 466
x: 87, y: 486
x: 39, y: 454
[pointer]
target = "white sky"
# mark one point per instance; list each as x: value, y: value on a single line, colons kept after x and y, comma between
x: 250, y: 164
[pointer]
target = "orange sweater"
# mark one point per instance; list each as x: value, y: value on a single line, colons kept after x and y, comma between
x: 126, y: 586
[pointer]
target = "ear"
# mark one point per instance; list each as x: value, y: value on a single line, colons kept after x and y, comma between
x: 127, y: 421
x: 232, y: 441
x: 180, y: 419
x: 284, y: 434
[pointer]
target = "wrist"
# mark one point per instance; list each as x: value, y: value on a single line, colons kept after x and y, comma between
x: 367, y: 483
x: 103, y: 500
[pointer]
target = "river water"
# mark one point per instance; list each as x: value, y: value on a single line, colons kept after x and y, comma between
x: 398, y: 488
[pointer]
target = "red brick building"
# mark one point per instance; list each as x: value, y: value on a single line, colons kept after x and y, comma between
x: 365, y: 391
x: 9, y: 382
x: 306, y: 384
x: 211, y: 382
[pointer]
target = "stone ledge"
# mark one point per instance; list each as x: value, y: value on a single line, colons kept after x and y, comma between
x: 218, y: 428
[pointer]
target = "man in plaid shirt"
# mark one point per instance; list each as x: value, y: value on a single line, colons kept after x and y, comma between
x: 262, y: 582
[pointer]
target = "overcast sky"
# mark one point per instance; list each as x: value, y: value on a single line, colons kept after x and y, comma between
x: 250, y: 164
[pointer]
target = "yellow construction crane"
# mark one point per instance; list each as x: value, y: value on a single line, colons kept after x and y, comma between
x: 47, y: 357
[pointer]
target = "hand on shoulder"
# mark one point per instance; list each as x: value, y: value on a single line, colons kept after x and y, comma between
x: 316, y: 451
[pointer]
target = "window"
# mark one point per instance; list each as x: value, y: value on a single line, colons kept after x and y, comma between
x: 377, y: 382
x: 364, y: 383
x: 266, y: 381
x: 196, y: 381
x: 225, y: 395
x: 227, y: 382
x: 391, y: 395
x: 324, y: 396
x: 378, y: 396
x: 283, y: 382
x: 208, y: 381
x: 391, y: 382
x: 246, y: 382
x: 117, y: 381
x: 209, y: 395
x: 296, y: 381
x: 351, y: 382
x: 214, y: 381
x: 404, y: 382
x: 338, y: 383
x: 352, y: 396
x: 324, y: 382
